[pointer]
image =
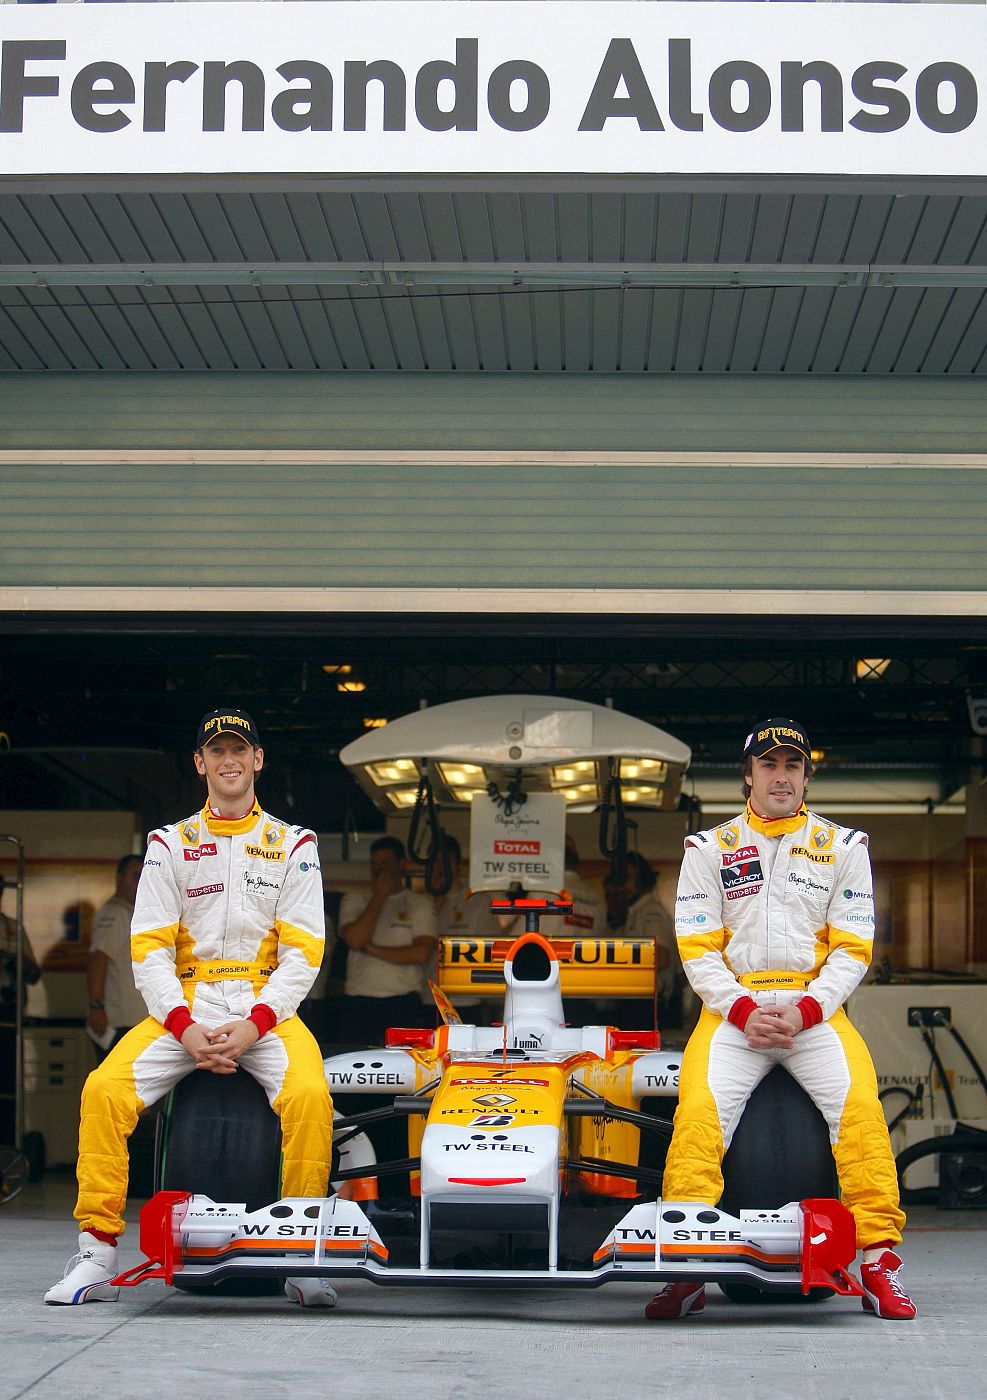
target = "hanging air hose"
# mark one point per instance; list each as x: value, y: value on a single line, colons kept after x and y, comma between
x: 964, y: 1139
x: 971, y: 1058
x: 427, y: 847
x: 914, y: 1097
x: 348, y: 832
x: 613, y: 825
x: 930, y: 1042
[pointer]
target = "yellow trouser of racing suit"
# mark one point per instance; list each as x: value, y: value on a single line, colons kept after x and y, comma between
x: 149, y: 1061
x: 719, y: 1073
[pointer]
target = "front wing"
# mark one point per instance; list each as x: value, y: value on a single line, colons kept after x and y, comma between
x: 805, y: 1245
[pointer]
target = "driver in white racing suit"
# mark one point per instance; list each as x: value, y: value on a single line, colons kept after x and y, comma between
x: 775, y: 927
x: 227, y: 938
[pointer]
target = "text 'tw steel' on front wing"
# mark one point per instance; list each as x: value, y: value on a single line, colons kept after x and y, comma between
x: 801, y: 1246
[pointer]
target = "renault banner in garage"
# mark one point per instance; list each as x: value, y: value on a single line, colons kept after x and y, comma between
x: 493, y: 87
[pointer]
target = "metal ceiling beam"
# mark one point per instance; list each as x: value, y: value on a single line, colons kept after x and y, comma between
x: 512, y: 183
x: 391, y: 274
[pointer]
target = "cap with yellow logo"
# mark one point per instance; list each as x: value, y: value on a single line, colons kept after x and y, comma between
x: 776, y: 734
x: 227, y: 721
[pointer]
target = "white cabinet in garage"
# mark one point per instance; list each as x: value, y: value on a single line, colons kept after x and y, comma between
x: 57, y: 1060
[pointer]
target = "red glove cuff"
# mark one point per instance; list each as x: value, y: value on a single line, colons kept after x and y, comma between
x: 178, y: 1022
x: 263, y: 1018
x: 811, y: 1012
x: 740, y: 1011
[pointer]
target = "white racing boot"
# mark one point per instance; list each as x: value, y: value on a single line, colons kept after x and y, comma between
x: 88, y: 1274
x: 310, y: 1292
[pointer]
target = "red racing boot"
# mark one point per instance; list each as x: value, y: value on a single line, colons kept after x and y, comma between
x: 677, y: 1300
x: 884, y: 1294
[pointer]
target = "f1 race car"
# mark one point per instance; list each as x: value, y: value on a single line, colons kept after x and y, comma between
x: 523, y: 1164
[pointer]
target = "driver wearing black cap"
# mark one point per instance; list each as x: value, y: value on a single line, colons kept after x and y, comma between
x: 226, y: 940
x: 775, y: 928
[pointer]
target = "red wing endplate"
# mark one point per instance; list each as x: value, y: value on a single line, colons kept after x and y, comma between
x: 160, y: 1221
x: 829, y: 1246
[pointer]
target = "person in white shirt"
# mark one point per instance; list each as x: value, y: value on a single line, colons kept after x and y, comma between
x: 390, y: 932
x: 462, y: 915
x: 647, y: 917
x: 115, y: 1004
x: 589, y: 908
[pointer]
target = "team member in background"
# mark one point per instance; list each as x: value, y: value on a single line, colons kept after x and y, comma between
x: 115, y: 1004
x: 589, y: 907
x: 390, y: 932
x: 775, y: 926
x: 461, y: 916
x: 647, y: 917
x: 227, y: 938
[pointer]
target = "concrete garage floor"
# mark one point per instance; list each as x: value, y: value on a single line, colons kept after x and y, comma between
x: 448, y: 1345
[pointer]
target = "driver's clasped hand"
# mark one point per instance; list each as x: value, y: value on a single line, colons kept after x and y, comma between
x: 218, y: 1049
x: 773, y: 1027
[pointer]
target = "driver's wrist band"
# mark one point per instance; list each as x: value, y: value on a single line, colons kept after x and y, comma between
x: 811, y: 1011
x: 740, y: 1011
x: 178, y: 1022
x: 263, y: 1017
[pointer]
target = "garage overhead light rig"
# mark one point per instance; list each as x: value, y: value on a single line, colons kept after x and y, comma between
x: 551, y: 744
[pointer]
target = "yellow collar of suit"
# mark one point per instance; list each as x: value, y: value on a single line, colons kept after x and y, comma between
x: 225, y: 826
x: 779, y: 826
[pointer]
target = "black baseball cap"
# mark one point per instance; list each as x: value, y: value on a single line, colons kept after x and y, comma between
x: 227, y: 721
x: 777, y: 733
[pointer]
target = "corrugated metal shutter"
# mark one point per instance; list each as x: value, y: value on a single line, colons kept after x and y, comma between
x: 729, y: 413
x: 607, y: 524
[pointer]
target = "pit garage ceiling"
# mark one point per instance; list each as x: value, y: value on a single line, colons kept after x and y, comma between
x: 491, y: 274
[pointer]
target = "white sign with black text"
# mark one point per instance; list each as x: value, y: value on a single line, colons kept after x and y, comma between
x: 488, y: 86
x: 524, y: 846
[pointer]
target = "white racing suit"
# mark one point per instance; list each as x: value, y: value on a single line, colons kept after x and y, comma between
x: 769, y: 913
x: 228, y: 925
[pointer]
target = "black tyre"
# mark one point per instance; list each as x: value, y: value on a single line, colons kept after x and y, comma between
x: 780, y: 1153
x: 219, y: 1137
